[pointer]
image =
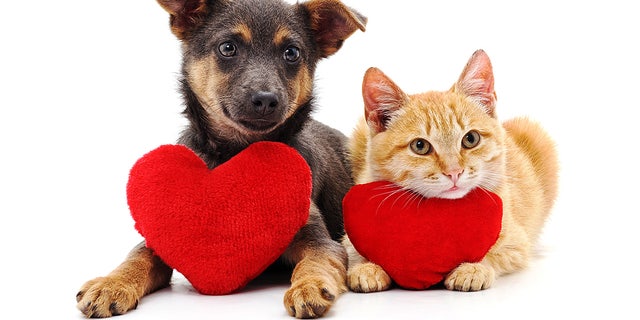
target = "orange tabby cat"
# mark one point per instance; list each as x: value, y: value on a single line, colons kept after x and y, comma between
x: 444, y: 144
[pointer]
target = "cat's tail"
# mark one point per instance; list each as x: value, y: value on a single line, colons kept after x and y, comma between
x: 541, y: 150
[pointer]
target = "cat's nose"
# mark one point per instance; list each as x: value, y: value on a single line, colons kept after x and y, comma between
x: 454, y: 174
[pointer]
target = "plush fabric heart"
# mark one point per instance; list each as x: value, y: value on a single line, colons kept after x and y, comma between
x: 417, y: 240
x: 220, y: 228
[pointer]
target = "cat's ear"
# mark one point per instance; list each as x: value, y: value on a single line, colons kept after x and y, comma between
x: 476, y: 81
x: 382, y: 97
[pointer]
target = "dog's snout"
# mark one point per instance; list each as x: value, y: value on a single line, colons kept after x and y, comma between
x: 264, y: 103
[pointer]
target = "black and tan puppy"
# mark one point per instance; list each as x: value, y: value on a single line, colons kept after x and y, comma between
x: 247, y: 76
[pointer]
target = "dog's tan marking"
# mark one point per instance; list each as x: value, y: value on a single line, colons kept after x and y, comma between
x: 204, y: 77
x: 321, y: 269
x: 316, y: 282
x: 300, y: 88
x: 244, y: 32
x: 281, y: 36
x: 140, y: 274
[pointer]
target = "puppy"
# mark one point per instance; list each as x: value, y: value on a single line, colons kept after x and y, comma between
x: 247, y: 75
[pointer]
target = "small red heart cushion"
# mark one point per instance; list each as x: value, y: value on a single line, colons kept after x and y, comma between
x: 220, y: 228
x: 417, y: 240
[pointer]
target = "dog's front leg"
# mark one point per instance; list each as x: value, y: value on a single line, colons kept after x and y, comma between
x: 141, y: 273
x: 319, y: 276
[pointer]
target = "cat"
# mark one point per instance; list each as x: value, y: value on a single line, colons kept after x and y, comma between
x: 444, y: 144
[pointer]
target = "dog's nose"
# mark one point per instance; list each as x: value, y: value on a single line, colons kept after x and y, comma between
x: 264, y: 103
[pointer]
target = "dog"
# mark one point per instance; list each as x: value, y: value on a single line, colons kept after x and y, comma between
x: 247, y: 75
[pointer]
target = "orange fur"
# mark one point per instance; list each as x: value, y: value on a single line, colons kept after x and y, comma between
x: 515, y: 159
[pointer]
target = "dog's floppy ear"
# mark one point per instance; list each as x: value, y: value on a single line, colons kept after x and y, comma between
x: 185, y: 15
x: 332, y: 22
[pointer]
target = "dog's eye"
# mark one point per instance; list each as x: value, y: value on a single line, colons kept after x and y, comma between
x: 292, y: 54
x: 228, y: 49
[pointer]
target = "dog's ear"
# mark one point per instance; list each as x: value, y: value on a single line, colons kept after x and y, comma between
x: 332, y: 22
x: 185, y: 15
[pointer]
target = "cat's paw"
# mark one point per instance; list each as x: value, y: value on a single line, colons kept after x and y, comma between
x: 105, y: 297
x: 470, y: 277
x: 367, y: 277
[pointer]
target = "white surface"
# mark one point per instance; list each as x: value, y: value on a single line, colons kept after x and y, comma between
x: 87, y: 87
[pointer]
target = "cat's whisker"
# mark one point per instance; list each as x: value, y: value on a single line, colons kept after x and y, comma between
x: 414, y: 197
x: 386, y: 191
x: 409, y: 194
x: 386, y: 187
x: 487, y: 192
x: 390, y: 195
x: 402, y: 193
x: 422, y: 198
x: 491, y: 180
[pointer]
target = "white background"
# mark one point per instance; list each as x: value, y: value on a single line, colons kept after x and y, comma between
x: 87, y: 87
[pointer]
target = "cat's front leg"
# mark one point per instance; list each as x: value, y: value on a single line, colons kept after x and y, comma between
x: 510, y: 253
x: 362, y: 275
x: 470, y: 277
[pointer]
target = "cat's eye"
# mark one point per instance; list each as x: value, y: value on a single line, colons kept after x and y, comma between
x: 471, y: 139
x: 228, y: 49
x: 420, y: 146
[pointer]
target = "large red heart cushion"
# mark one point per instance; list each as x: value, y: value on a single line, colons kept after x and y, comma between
x: 220, y: 228
x: 417, y: 240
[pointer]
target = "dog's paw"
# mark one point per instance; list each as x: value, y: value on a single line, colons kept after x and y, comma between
x: 105, y: 297
x: 470, y: 277
x: 310, y: 298
x: 368, y: 277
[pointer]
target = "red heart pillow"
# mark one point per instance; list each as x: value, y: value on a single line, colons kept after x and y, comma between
x: 416, y: 240
x: 220, y: 228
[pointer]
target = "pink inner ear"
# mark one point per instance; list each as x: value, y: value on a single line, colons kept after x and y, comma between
x: 382, y: 97
x: 476, y: 81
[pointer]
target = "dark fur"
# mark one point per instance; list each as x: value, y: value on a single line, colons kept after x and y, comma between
x: 242, y: 82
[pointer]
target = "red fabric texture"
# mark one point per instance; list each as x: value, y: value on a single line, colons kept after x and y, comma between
x: 220, y: 228
x: 418, y: 240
